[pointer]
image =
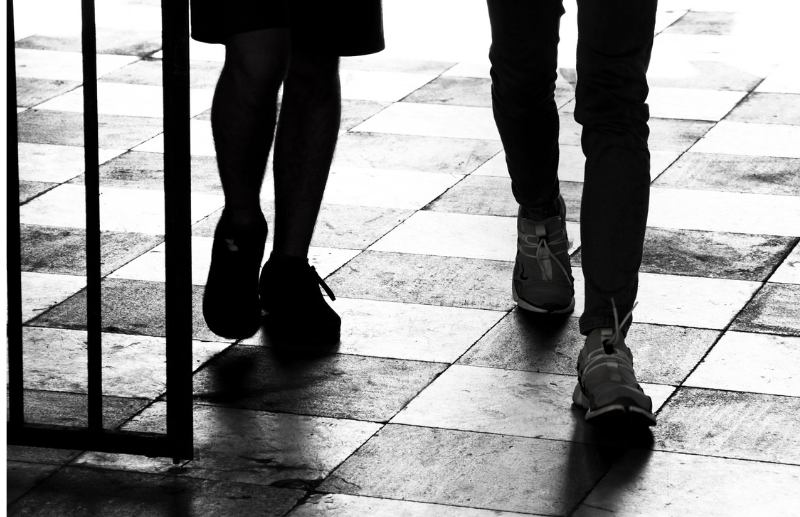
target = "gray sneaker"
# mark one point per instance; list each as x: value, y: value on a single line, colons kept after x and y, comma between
x: 542, y: 273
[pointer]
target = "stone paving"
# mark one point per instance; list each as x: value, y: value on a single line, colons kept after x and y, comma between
x: 442, y: 399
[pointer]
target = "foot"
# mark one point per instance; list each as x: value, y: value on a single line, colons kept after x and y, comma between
x: 542, y: 273
x: 607, y: 385
x: 297, y: 313
x: 230, y: 301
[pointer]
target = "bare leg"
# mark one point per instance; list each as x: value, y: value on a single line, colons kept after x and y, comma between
x: 306, y: 138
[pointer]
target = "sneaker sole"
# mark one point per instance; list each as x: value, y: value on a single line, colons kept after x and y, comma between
x: 622, y: 411
x: 522, y: 304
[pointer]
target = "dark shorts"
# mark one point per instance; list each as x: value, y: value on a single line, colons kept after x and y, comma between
x: 329, y: 27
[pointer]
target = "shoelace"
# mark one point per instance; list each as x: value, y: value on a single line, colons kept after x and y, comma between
x: 608, y: 344
x: 600, y: 358
x: 540, y: 243
x: 322, y: 283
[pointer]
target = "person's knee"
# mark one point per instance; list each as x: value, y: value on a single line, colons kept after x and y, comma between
x: 257, y: 62
x: 313, y: 70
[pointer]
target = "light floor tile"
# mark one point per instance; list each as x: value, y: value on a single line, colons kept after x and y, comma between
x: 133, y: 366
x: 384, y: 188
x: 380, y: 85
x: 55, y: 163
x: 751, y: 362
x: 757, y: 214
x: 134, y: 100
x: 476, y: 69
x: 691, y: 104
x: 41, y: 291
x: 410, y: 331
x: 789, y: 271
x: 248, y: 446
x: 122, y: 210
x: 433, y: 120
x: 496, y: 166
x: 750, y: 139
x: 784, y: 79
x: 507, y: 402
x: 341, y: 505
x: 688, y: 301
x: 681, y: 485
x: 66, y: 66
x: 201, y: 140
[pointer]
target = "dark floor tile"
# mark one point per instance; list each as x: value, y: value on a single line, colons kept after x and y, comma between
x: 674, y: 134
x: 706, y: 23
x: 22, y: 477
x: 382, y: 63
x: 80, y: 492
x: 338, y: 386
x: 426, y: 279
x: 471, y: 91
x: 70, y: 409
x: 31, y: 91
x: 354, y: 112
x: 65, y: 128
x: 527, y: 341
x: 491, y: 195
x: 726, y: 75
x: 146, y: 171
x: 768, y: 108
x: 472, y: 469
x: 734, y: 173
x: 129, y: 307
x: 711, y: 254
x: 409, y: 152
x: 31, y: 189
x: 202, y: 74
x: 134, y: 42
x: 40, y: 454
x: 48, y: 249
x: 774, y: 309
x: 731, y: 424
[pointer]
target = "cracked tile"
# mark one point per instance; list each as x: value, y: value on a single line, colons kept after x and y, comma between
x: 774, y: 309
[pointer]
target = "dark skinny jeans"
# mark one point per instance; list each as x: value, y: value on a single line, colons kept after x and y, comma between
x: 615, y: 39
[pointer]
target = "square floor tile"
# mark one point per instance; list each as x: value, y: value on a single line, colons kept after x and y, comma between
x: 691, y: 104
x: 74, y: 492
x: 410, y: 331
x: 785, y: 79
x: 386, y: 86
x: 756, y: 214
x: 768, y: 108
x: 736, y: 256
x: 413, y: 153
x: 132, y: 100
x: 41, y: 291
x: 22, y: 477
x: 734, y: 173
x: 248, y: 446
x: 774, y: 309
x: 65, y: 66
x: 62, y: 251
x: 509, y: 403
x: 136, y: 42
x: 789, y: 270
x: 407, y: 118
x: 340, y: 505
x: 734, y: 425
x: 32, y: 91
x: 385, y: 188
x: 354, y: 112
x: 121, y: 209
x: 133, y: 366
x: 64, y: 128
x: 532, y: 342
x: 56, y: 163
x: 337, y: 386
x: 426, y: 279
x: 751, y: 139
x: 750, y: 362
x: 472, y: 469
x: 658, y: 483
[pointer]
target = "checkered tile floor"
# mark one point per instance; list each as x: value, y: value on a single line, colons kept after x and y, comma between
x: 442, y: 399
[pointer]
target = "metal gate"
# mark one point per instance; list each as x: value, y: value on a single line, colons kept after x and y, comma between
x: 177, y: 442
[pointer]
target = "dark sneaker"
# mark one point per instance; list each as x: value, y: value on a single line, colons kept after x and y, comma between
x: 607, y: 385
x: 230, y: 301
x: 542, y: 273
x: 297, y: 313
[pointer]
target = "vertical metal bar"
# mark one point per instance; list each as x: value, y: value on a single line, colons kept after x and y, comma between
x: 15, y: 393
x: 177, y: 203
x: 92, y: 178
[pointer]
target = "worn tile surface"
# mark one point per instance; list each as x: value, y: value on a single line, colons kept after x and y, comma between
x: 774, y: 309
x: 65, y: 128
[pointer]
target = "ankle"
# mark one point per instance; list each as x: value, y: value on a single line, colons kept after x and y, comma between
x: 241, y: 217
